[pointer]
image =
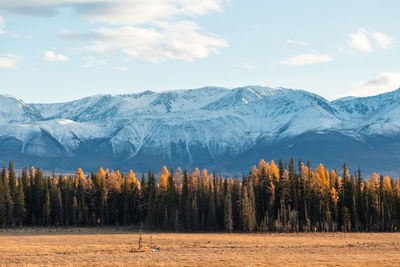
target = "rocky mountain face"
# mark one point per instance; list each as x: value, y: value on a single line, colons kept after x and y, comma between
x: 225, y: 130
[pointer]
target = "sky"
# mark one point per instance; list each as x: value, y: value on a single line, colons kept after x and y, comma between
x: 60, y: 50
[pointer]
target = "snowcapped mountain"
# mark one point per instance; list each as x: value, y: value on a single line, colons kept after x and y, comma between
x: 218, y: 128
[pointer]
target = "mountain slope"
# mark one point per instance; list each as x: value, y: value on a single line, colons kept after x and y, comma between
x: 222, y: 129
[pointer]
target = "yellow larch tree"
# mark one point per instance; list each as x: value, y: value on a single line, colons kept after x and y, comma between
x: 178, y: 177
x: 333, y: 178
x: 112, y: 183
x: 375, y: 181
x: 274, y: 171
x: 79, y: 174
x: 132, y: 180
x: 101, y: 174
x: 387, y: 185
x: 322, y: 178
x: 334, y: 196
x: 396, y: 188
x: 204, y: 178
x: 195, y: 182
x: 262, y: 164
x: 163, y: 178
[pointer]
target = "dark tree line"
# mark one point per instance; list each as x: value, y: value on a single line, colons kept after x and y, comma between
x: 286, y: 197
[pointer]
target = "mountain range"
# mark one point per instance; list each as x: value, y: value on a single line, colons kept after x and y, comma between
x: 224, y: 130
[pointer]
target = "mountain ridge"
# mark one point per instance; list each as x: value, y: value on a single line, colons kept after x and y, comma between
x: 188, y: 128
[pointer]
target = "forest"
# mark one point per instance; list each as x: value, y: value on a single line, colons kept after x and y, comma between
x: 287, y: 197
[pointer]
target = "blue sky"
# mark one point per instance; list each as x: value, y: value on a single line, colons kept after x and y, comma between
x: 59, y: 50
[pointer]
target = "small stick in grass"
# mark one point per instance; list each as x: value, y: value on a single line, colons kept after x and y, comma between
x: 140, y: 238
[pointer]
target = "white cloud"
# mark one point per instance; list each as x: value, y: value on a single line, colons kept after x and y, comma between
x: 51, y: 56
x: 151, y: 30
x: 97, y: 63
x: 2, y: 25
x: 362, y: 40
x: 15, y: 57
x: 385, y: 82
x: 298, y: 43
x: 306, y: 59
x: 9, y: 62
x: 344, y: 50
x: 121, y: 68
x: 164, y: 40
x: 119, y: 12
x: 382, y: 39
x: 247, y: 66
x: 136, y: 12
x: 94, y: 63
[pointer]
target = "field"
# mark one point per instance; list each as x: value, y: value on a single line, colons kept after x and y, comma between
x: 80, y: 246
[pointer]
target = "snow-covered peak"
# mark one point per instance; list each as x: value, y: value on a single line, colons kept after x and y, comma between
x: 14, y: 110
x: 217, y: 120
x: 364, y: 107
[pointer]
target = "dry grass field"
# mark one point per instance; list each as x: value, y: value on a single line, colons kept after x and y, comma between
x: 112, y: 247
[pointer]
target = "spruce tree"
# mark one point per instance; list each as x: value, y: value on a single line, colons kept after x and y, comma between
x: 8, y: 202
x: 211, y: 216
x: 46, y: 205
x: 247, y: 215
x: 185, y: 203
x: 3, y: 204
x: 228, y: 220
x: 12, y: 179
x: 56, y: 206
x: 19, y: 205
x: 171, y: 202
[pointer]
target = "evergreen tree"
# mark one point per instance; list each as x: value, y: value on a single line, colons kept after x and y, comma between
x: 248, y: 221
x: 38, y: 198
x: 228, y: 220
x: 185, y: 203
x: 19, y: 204
x: 56, y: 206
x: 3, y: 202
x: 269, y: 198
x: 8, y: 202
x: 171, y: 197
x: 46, y: 205
x: 211, y: 216
x: 12, y: 179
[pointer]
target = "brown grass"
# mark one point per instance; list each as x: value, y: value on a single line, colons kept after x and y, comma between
x: 112, y: 247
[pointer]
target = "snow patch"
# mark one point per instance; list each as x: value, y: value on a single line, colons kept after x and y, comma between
x: 65, y: 121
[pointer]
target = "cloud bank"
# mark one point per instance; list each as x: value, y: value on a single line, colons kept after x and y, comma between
x: 363, y: 40
x: 385, y: 82
x: 297, y: 43
x: 2, y: 25
x: 306, y: 59
x: 9, y: 62
x: 151, y: 30
x: 51, y: 56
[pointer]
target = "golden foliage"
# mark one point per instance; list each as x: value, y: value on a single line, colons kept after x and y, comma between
x: 101, y: 174
x: 79, y: 175
x: 334, y: 196
x: 333, y: 177
x: 375, y: 180
x: 274, y: 170
x: 132, y: 180
x: 163, y: 178
x: 387, y: 185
